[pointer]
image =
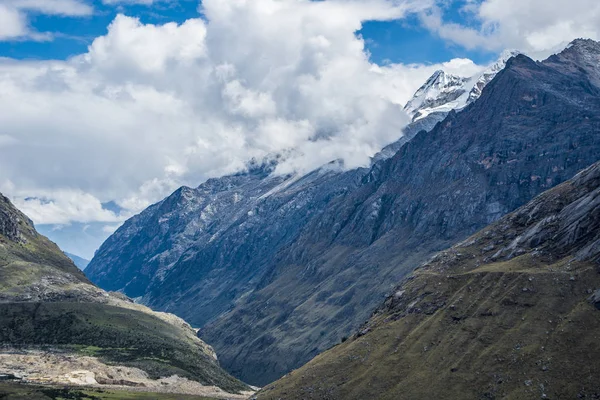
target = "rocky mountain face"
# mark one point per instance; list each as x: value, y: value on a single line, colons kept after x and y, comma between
x: 276, y: 269
x: 49, y: 310
x: 511, y: 312
x: 533, y: 128
x: 482, y: 80
x: 147, y: 246
x: 440, y: 94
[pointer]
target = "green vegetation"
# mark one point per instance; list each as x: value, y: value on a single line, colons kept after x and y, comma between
x: 20, y: 242
x: 116, y: 335
x: 477, y: 335
x: 15, y: 391
x: 46, y: 302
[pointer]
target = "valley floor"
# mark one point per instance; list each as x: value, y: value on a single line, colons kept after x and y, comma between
x: 19, y: 391
x: 83, y: 377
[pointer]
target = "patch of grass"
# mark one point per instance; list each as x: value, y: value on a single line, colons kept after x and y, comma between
x: 89, y: 351
x: 16, y: 391
x: 489, y: 339
x: 117, y: 336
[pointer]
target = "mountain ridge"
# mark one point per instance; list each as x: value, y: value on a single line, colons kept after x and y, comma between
x: 444, y: 92
x: 290, y: 275
x: 80, y: 262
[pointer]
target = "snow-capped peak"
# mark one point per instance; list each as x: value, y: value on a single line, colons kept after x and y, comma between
x: 440, y: 93
x: 444, y: 92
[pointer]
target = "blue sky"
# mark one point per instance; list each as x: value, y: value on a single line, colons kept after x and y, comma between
x: 74, y: 34
x: 405, y: 41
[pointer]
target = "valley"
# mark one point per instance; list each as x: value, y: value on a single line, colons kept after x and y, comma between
x: 274, y: 269
x: 462, y: 262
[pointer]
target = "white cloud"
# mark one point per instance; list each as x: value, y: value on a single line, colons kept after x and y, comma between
x: 151, y: 107
x: 538, y: 27
x: 64, y: 206
x: 142, y: 2
x: 14, y: 24
x: 72, y: 8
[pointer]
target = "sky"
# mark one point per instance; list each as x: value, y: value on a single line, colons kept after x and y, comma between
x: 108, y: 106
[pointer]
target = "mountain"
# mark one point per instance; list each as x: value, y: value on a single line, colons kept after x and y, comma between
x: 58, y: 328
x: 440, y: 94
x: 182, y: 223
x: 444, y: 92
x: 512, y: 312
x: 533, y: 127
x: 81, y: 263
x: 275, y: 269
x: 234, y: 225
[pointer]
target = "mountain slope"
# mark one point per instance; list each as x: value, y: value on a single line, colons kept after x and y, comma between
x: 300, y: 262
x: 80, y: 262
x: 533, y: 127
x: 190, y: 254
x: 139, y: 254
x: 46, y: 302
x: 512, y: 312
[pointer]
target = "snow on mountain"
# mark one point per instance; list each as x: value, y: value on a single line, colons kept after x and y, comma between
x: 489, y: 74
x: 444, y: 92
x: 441, y: 93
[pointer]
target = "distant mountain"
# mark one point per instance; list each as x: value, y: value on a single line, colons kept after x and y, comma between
x: 439, y: 95
x: 444, y: 92
x: 510, y: 312
x: 275, y: 269
x: 88, y: 336
x: 81, y: 263
x: 207, y: 205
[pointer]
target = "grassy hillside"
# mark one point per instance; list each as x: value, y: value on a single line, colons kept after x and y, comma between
x: 13, y: 391
x: 511, y: 313
x: 117, y: 335
x: 47, y: 302
x: 20, y: 243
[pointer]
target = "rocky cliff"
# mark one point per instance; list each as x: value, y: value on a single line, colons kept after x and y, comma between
x: 512, y: 312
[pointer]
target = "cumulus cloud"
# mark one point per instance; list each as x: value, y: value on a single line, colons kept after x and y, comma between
x: 149, y: 108
x: 14, y: 24
x: 65, y: 206
x: 538, y: 27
